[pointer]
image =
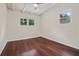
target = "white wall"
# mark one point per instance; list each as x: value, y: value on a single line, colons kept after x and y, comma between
x: 15, y: 31
x: 67, y: 34
x: 47, y: 26
x: 3, y: 12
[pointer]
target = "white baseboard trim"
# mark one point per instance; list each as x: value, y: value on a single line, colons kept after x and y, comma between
x: 61, y: 42
x: 2, y: 47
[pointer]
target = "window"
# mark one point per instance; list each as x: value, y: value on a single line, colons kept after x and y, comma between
x: 65, y: 17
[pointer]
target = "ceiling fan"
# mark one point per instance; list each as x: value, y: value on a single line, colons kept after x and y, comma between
x: 36, y: 5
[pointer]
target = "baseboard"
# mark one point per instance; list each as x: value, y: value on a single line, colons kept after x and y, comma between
x: 22, y: 38
x: 51, y: 41
x: 65, y: 44
x: 4, y: 45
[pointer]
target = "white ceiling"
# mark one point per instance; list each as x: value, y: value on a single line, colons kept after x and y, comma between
x: 29, y: 7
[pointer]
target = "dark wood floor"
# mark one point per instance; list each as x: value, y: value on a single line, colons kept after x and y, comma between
x: 38, y: 47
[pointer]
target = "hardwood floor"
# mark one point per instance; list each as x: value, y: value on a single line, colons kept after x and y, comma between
x: 38, y: 47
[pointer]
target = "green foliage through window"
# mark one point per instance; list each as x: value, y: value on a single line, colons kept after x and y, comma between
x: 31, y: 22
x: 24, y: 21
x: 65, y: 17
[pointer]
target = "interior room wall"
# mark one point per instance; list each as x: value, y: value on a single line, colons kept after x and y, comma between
x: 15, y: 31
x: 67, y: 34
x: 3, y: 17
x: 47, y: 25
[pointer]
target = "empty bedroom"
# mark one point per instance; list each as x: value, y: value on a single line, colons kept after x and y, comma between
x: 39, y: 29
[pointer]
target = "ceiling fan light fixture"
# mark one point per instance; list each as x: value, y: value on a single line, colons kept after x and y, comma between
x: 35, y: 5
